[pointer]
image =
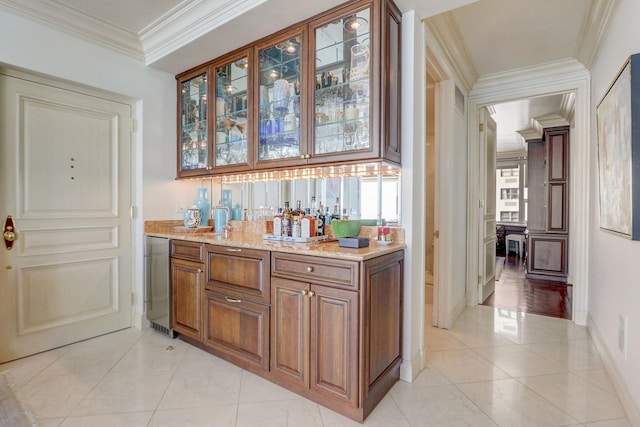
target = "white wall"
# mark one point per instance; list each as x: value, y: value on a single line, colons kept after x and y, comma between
x: 37, y: 48
x: 615, y: 262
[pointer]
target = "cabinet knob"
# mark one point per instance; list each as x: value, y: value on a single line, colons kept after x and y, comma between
x: 199, y: 270
x: 311, y: 293
x: 309, y: 269
x: 304, y: 292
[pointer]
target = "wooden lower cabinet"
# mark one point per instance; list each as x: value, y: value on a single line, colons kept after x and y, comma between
x: 339, y: 346
x: 186, y: 297
x: 237, y: 329
x: 314, y: 338
x: 328, y: 329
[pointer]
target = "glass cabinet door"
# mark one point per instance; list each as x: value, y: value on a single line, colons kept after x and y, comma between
x: 342, y: 87
x: 232, y: 113
x: 193, y: 123
x: 279, y: 76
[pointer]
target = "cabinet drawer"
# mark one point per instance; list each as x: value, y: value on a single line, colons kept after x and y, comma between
x: 333, y: 272
x: 238, y: 330
x: 191, y: 251
x: 239, y: 272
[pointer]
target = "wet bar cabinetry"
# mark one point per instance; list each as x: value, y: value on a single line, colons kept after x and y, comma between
x: 324, y: 91
x: 328, y: 329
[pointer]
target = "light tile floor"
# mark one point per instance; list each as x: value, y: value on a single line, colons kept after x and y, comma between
x: 493, y: 368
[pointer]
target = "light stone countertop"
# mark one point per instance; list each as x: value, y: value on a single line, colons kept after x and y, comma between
x: 246, y: 236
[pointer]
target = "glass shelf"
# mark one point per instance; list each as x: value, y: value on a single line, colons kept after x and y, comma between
x: 342, y: 96
x: 194, y: 125
x: 279, y: 100
x: 231, y: 113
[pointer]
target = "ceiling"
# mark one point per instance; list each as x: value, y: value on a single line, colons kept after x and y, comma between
x: 486, y: 36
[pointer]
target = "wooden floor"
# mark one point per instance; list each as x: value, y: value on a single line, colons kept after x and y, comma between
x: 515, y: 292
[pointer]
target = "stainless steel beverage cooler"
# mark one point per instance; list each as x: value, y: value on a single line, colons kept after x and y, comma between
x: 157, y: 298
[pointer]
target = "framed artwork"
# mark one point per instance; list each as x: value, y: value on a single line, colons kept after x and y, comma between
x: 618, y: 121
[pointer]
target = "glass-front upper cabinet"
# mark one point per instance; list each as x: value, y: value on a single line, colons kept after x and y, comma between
x: 343, y: 84
x: 279, y: 105
x: 232, y: 111
x: 193, y: 147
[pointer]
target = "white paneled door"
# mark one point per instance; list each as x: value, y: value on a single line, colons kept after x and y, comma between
x: 487, y: 238
x: 65, y: 180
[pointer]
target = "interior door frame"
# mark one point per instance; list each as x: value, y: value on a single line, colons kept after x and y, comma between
x: 557, y: 78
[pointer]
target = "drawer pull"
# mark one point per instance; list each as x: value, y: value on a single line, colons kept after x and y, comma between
x: 233, y: 250
x: 233, y: 300
x: 309, y: 269
x: 311, y: 293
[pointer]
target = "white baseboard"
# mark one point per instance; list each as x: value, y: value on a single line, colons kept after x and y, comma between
x: 139, y: 321
x: 633, y: 412
x: 409, y: 369
x: 580, y: 318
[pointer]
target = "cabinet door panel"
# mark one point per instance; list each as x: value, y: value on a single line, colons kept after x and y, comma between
x: 383, y: 314
x: 240, y: 272
x: 334, y: 343
x: 186, y: 294
x: 280, y: 137
x: 547, y: 255
x: 289, y: 334
x: 232, y: 112
x: 238, y: 328
x: 193, y: 133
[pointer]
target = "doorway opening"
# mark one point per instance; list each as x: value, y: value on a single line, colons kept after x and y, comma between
x: 524, y: 205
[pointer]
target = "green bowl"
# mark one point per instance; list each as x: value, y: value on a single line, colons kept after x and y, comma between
x: 345, y: 228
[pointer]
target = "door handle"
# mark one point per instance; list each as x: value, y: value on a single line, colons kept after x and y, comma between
x: 9, y: 233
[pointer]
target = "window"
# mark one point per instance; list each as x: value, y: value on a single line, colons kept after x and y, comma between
x: 511, y: 190
x: 508, y: 216
x: 509, y: 194
x: 508, y: 172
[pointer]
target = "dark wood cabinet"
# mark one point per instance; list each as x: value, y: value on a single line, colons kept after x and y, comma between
x: 187, y: 287
x: 239, y: 272
x: 338, y: 345
x: 236, y: 325
x: 237, y: 330
x: 314, y: 338
x: 329, y: 329
x: 325, y: 90
x: 548, y: 204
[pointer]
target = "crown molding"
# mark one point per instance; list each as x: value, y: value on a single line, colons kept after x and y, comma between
x: 527, y: 78
x: 189, y: 24
x: 594, y: 26
x: 539, y: 124
x: 185, y: 22
x: 568, y: 106
x: 446, y: 34
x: 74, y: 22
x: 530, y: 135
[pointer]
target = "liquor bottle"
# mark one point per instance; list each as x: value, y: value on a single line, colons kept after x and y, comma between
x: 307, y: 224
x: 286, y: 220
x: 344, y: 214
x: 277, y: 223
x: 314, y: 207
x: 336, y: 210
x: 327, y: 216
x: 295, y: 228
x: 320, y: 221
x: 298, y: 212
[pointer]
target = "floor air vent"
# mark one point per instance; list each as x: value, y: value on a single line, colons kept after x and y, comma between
x: 163, y: 330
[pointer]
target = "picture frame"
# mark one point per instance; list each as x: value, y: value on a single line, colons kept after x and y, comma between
x: 618, y: 131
